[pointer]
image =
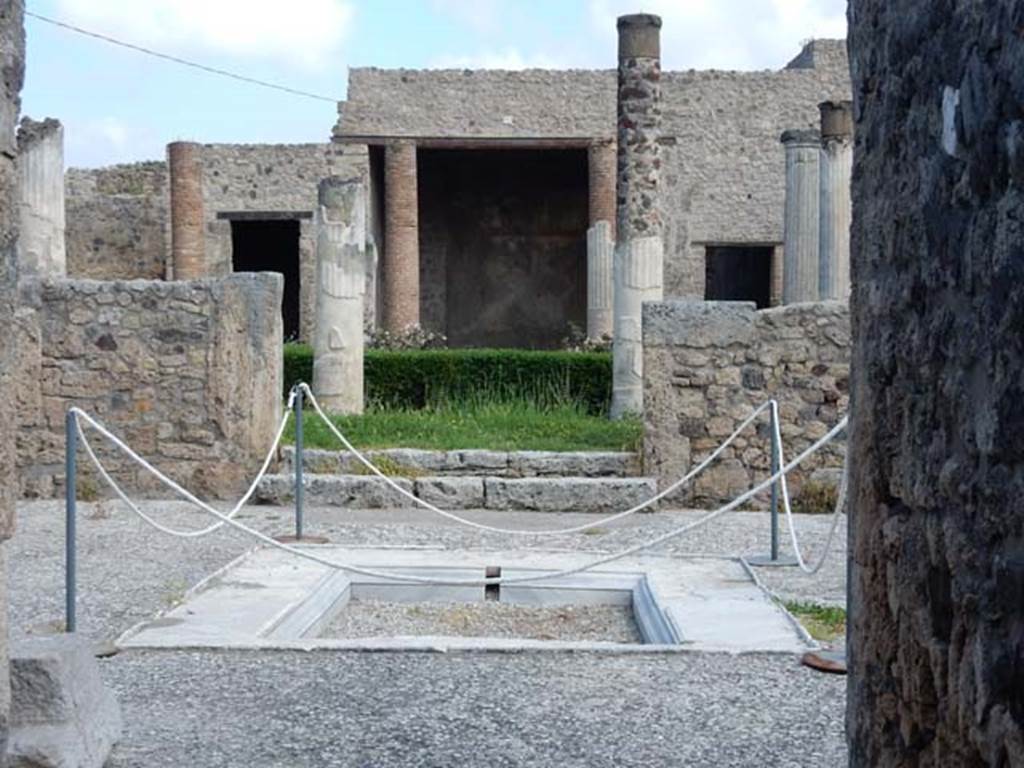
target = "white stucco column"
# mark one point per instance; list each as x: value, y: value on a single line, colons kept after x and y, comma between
x: 40, y: 161
x: 800, y: 260
x: 341, y: 286
x: 639, y: 248
x: 600, y: 285
x: 834, y: 200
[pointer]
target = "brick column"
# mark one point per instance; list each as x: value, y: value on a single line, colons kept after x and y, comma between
x: 188, y: 251
x: 401, y: 267
x: 639, y: 250
x: 602, y: 163
x: 800, y: 262
x: 834, y: 200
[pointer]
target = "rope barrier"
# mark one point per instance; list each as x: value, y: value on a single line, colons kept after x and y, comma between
x: 406, y: 578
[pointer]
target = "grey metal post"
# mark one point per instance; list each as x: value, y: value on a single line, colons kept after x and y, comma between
x: 299, y: 489
x: 70, y: 510
x: 775, y: 486
x: 773, y: 557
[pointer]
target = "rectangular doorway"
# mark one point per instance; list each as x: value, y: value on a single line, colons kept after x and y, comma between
x: 739, y: 273
x: 264, y: 245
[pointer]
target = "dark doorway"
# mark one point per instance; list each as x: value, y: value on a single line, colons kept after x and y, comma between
x: 739, y: 273
x: 271, y: 246
x: 503, y: 244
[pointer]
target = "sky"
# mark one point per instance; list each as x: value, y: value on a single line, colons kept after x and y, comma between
x: 122, y: 106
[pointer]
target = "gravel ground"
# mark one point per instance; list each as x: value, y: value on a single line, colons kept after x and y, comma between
x: 376, y: 618
x: 273, y: 709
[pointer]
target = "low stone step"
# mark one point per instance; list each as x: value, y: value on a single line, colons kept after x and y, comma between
x: 414, y: 462
x: 542, y: 494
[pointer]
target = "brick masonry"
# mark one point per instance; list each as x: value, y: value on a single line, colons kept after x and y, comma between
x: 189, y: 373
x: 708, y: 365
x: 401, y: 238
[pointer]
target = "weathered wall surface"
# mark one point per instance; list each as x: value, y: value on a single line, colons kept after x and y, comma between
x: 12, y: 70
x: 189, y: 373
x: 708, y: 365
x: 724, y: 169
x: 503, y: 265
x: 936, y: 643
x: 117, y: 222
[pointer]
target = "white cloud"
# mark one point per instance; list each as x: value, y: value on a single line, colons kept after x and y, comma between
x: 301, y: 33
x: 505, y: 58
x: 105, y: 140
x: 483, y: 16
x: 727, y: 34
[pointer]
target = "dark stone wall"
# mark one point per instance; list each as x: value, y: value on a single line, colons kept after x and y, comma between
x: 503, y: 245
x: 937, y: 532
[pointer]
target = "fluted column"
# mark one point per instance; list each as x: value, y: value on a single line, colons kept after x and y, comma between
x: 188, y: 248
x: 834, y: 200
x: 401, y: 272
x: 341, y: 287
x: 639, y: 249
x: 41, y: 250
x: 602, y: 164
x: 800, y: 259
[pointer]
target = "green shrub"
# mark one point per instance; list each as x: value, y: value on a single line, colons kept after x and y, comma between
x: 816, y: 498
x: 417, y: 378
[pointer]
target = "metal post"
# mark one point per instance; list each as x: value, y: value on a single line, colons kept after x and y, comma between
x: 70, y: 510
x: 775, y: 486
x: 773, y: 557
x: 299, y: 489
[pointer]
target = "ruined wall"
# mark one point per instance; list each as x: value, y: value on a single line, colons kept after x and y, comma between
x: 189, y: 373
x: 708, y: 365
x: 936, y: 641
x: 118, y: 223
x: 12, y: 69
x: 503, y: 265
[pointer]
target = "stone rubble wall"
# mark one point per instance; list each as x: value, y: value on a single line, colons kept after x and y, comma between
x: 188, y: 373
x: 937, y: 489
x: 708, y: 365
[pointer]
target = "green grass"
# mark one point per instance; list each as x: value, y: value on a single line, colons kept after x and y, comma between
x: 822, y: 622
x: 499, y: 426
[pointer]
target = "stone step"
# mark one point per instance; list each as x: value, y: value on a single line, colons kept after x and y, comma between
x: 414, y: 462
x: 542, y: 494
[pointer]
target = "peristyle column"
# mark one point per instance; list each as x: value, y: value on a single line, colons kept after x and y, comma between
x: 800, y: 260
x: 602, y: 163
x: 639, y: 249
x: 401, y: 273
x: 834, y: 200
x: 41, y: 199
x: 188, y: 248
x: 341, y: 287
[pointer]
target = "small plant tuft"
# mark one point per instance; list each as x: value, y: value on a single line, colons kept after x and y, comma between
x: 822, y: 622
x: 816, y: 498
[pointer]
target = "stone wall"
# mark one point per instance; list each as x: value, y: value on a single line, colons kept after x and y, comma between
x: 12, y: 70
x: 936, y: 642
x: 189, y: 373
x: 118, y: 225
x: 708, y: 365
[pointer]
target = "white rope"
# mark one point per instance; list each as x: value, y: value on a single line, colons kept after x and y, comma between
x: 461, y: 582
x: 520, y: 531
x: 188, y: 497
x: 787, y: 506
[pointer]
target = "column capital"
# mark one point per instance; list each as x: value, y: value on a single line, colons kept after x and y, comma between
x: 801, y: 137
x: 639, y: 36
x: 836, y: 119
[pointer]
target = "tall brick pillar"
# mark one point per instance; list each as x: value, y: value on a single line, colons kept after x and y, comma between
x: 834, y: 200
x: 639, y: 249
x: 936, y: 636
x: 800, y: 259
x: 602, y: 162
x: 401, y: 262
x: 188, y: 249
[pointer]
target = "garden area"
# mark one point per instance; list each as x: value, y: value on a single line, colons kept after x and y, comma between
x: 496, y: 399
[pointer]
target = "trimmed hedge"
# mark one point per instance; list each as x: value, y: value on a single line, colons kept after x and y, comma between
x: 416, y: 378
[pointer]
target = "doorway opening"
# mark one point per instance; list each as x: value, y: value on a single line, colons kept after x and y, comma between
x: 271, y: 246
x: 739, y: 273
